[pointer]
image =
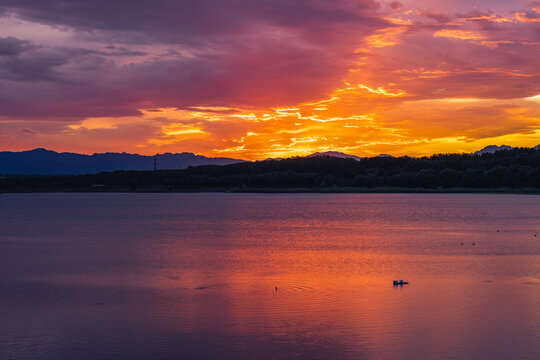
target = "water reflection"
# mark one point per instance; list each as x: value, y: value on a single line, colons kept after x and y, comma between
x: 195, y: 276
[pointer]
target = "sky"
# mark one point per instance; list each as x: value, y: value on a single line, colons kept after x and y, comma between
x: 254, y: 79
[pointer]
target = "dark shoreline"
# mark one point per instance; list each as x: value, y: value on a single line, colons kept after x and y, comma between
x: 515, y: 171
x: 330, y: 190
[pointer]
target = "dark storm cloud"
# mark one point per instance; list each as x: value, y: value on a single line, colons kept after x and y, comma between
x: 22, y: 61
x: 188, y: 22
x: 10, y: 46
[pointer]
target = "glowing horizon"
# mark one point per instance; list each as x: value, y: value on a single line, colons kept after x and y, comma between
x: 259, y: 79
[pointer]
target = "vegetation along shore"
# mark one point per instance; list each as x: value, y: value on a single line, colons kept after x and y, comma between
x: 513, y: 171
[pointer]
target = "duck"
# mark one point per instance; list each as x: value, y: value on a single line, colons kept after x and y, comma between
x: 400, y: 282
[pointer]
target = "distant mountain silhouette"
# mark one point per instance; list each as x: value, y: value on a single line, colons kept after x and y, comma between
x: 336, y: 154
x: 47, y: 162
x: 492, y: 148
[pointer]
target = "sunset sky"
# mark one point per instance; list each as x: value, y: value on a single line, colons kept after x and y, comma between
x: 254, y: 79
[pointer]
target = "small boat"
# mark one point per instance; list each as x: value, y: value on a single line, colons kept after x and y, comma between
x: 400, y: 282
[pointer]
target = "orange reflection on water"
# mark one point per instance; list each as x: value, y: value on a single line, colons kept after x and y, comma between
x: 194, y: 276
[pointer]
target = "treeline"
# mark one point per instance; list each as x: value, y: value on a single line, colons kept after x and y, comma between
x: 518, y: 168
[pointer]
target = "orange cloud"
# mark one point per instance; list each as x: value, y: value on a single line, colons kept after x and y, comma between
x: 460, y: 34
x: 385, y: 37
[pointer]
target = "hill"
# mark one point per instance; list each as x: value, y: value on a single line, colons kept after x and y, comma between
x: 492, y: 148
x: 336, y: 154
x: 47, y: 162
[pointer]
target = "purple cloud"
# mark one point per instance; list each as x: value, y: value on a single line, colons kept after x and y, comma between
x: 249, y: 53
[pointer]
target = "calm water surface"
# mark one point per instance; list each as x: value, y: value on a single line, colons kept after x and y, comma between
x: 193, y: 276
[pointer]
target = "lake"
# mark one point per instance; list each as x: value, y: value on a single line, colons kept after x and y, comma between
x: 269, y: 276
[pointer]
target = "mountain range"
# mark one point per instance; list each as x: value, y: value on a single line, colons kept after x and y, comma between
x: 490, y: 149
x: 336, y: 154
x: 47, y: 162
x: 494, y: 148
